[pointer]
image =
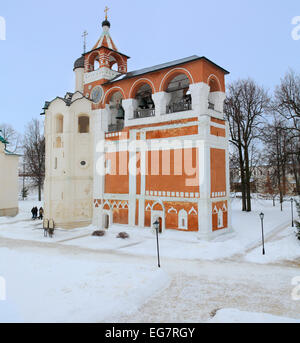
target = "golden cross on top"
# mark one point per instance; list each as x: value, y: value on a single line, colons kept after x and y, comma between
x: 106, y: 10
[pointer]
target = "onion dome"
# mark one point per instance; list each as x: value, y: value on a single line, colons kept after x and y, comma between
x: 106, y: 23
x: 79, y: 63
x: 105, y: 39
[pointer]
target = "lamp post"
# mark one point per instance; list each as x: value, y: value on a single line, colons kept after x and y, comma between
x: 156, y: 226
x: 262, y: 231
x: 292, y: 208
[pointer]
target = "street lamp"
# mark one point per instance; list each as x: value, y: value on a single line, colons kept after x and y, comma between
x: 156, y: 227
x: 292, y: 208
x: 262, y: 231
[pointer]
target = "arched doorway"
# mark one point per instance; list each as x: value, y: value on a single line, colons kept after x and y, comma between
x: 158, y: 214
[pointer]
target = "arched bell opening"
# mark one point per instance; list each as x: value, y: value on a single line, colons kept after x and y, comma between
x: 116, y: 115
x: 145, y: 104
x: 181, y: 99
x: 214, y: 91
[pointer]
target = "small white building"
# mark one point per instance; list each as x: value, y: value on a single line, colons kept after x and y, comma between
x: 8, y: 181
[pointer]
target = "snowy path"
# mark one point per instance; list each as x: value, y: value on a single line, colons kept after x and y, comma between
x: 197, y: 287
x: 269, y: 236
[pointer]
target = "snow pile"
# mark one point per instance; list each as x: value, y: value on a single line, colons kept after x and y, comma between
x: 236, y: 316
x: 49, y: 286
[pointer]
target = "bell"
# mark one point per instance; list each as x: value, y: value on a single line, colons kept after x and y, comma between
x: 121, y: 113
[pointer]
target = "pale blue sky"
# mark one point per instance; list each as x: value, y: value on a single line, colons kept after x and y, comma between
x: 248, y: 38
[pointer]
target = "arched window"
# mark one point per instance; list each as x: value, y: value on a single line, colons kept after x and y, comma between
x: 213, y: 95
x: 59, y: 123
x: 182, y: 220
x: 93, y: 61
x: 180, y: 96
x: 96, y: 65
x: 83, y: 124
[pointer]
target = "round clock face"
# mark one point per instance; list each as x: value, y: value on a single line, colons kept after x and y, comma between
x: 96, y: 94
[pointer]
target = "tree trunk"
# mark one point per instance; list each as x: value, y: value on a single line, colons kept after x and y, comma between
x: 40, y: 191
x: 241, y: 162
x: 248, y: 180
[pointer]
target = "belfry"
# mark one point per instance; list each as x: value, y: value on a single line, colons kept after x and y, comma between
x: 132, y: 147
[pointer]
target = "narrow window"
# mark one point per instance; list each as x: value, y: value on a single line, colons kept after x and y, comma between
x: 220, y: 219
x: 83, y: 124
x: 182, y: 220
x: 59, y: 124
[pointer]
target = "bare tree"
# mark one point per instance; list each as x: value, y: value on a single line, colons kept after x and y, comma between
x: 287, y: 104
x: 287, y: 100
x: 276, y: 141
x: 12, y: 137
x: 34, y: 154
x: 245, y: 104
x: 294, y: 161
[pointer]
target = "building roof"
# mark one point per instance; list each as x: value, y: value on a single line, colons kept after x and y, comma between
x: 105, y: 38
x: 79, y: 63
x: 163, y: 66
x: 68, y: 99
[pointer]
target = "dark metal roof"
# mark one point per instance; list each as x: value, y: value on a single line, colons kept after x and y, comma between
x: 106, y: 23
x: 67, y: 99
x: 79, y: 63
x: 163, y: 66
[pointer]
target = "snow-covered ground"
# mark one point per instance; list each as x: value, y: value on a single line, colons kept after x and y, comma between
x: 235, y: 316
x: 75, y: 277
x: 48, y: 286
x: 173, y: 244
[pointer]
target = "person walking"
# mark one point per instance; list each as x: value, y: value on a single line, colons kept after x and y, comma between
x: 32, y: 212
x: 35, y: 212
x: 41, y: 213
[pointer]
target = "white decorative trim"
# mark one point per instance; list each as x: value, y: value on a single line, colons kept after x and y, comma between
x: 116, y: 87
x: 115, y: 205
x: 141, y: 79
x: 192, y: 210
x: 157, y: 203
x: 182, y: 215
x: 214, y: 76
x: 102, y: 73
x: 107, y: 203
x: 172, y: 209
x: 169, y: 72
